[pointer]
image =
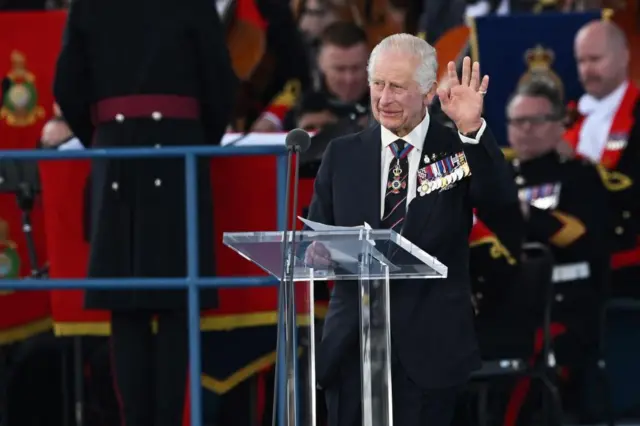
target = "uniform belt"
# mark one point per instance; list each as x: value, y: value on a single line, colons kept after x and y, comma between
x: 155, y: 107
x: 571, y: 272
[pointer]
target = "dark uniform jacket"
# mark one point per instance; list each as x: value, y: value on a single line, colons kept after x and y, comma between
x: 619, y: 168
x: 119, y: 48
x: 432, y: 322
x: 495, y: 247
x: 623, y: 184
x: 321, y: 99
x: 569, y: 212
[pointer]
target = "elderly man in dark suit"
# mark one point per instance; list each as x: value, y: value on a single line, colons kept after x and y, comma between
x: 434, y: 347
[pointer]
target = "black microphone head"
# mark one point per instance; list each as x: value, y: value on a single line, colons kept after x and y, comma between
x: 298, y: 140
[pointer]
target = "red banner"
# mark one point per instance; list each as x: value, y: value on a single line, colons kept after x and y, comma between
x: 30, y: 45
x: 253, y: 210
x: 29, y: 48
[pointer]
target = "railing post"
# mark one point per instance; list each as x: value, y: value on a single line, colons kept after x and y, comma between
x: 193, y: 279
x: 193, y: 273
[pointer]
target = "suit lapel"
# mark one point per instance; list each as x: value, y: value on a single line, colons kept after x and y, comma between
x: 371, y: 160
x: 436, y: 142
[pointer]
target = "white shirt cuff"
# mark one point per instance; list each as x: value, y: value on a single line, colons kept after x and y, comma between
x: 475, y: 140
x: 73, y: 144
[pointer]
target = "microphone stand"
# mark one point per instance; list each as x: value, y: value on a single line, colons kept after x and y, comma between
x: 286, y: 299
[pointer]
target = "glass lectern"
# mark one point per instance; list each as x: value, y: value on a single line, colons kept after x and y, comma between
x: 370, y: 258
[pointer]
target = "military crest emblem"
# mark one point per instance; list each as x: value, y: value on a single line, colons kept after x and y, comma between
x: 19, y: 94
x: 539, y: 61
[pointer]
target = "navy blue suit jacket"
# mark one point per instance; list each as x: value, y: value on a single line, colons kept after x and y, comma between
x: 431, y: 320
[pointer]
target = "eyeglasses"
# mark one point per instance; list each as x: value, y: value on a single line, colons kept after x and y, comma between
x: 533, y: 120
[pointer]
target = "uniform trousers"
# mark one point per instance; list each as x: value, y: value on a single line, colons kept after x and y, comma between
x: 150, y: 370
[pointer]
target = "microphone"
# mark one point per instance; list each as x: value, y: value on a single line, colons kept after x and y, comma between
x: 296, y: 142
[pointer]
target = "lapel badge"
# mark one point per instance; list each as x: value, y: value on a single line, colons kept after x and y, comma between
x: 433, y: 157
x: 427, y: 160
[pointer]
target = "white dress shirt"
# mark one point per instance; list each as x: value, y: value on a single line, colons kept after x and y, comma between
x: 599, y: 114
x: 416, y: 138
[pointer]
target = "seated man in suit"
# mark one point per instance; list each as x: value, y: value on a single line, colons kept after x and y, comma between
x: 417, y: 177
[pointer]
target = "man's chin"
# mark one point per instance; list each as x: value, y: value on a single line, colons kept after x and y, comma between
x: 390, y: 123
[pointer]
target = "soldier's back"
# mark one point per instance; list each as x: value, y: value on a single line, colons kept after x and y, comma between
x: 142, y: 46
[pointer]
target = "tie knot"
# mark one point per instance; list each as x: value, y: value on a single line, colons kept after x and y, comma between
x: 400, y: 148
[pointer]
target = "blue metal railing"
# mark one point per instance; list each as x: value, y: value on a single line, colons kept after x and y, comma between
x: 192, y: 281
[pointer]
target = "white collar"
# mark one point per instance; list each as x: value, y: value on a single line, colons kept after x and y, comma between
x: 609, y: 104
x: 415, y: 138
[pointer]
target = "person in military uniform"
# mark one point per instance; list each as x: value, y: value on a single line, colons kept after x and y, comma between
x: 161, y: 76
x: 341, y: 85
x: 566, y: 207
x: 607, y: 132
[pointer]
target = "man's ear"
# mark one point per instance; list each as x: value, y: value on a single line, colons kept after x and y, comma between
x: 428, y: 97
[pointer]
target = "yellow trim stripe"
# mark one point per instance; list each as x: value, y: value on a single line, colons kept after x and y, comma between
x: 221, y: 387
x: 614, y: 181
x: 25, y: 331
x: 221, y: 323
x: 497, y: 249
x: 509, y: 153
x: 572, y: 229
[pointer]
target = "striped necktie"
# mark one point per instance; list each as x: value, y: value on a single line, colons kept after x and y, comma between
x: 395, y: 200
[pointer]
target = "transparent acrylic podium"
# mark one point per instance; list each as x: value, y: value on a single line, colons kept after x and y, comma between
x: 372, y: 259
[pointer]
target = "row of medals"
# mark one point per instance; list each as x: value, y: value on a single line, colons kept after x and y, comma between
x: 443, y: 173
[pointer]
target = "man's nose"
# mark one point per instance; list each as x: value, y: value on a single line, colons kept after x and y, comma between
x: 351, y: 77
x: 386, y: 96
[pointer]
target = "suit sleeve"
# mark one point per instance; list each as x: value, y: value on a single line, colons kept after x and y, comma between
x: 321, y: 208
x: 71, y: 81
x: 581, y: 222
x: 491, y: 181
x: 623, y: 183
x: 219, y: 81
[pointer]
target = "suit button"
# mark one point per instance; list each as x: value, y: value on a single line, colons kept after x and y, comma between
x: 157, y: 182
x: 156, y: 115
x: 559, y: 297
x: 626, y: 214
x: 119, y: 118
x: 114, y: 186
x: 619, y: 230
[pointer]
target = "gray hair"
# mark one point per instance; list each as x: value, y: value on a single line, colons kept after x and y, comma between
x: 427, y: 70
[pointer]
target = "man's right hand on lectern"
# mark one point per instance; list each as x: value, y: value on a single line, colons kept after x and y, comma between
x: 317, y: 255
